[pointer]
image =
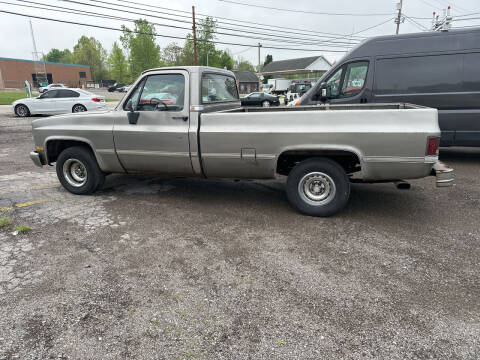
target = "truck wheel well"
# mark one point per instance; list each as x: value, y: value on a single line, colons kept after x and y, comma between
x: 55, y: 148
x: 348, y: 160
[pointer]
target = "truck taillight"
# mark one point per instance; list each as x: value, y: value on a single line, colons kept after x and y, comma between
x: 95, y: 99
x: 433, y: 143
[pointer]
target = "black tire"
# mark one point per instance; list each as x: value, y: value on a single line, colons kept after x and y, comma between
x: 78, y: 108
x: 313, y: 179
x: 22, y: 110
x: 84, y: 182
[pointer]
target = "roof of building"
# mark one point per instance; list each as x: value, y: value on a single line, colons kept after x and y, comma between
x: 46, y: 62
x: 292, y: 64
x: 245, y: 76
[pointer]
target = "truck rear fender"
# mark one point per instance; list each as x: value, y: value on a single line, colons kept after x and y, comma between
x: 348, y: 157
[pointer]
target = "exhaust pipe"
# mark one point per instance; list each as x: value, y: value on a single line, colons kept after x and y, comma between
x: 402, y: 185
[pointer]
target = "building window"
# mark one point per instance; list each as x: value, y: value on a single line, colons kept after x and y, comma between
x: 83, y: 74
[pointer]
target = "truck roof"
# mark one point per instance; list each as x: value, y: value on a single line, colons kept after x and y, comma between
x: 193, y: 69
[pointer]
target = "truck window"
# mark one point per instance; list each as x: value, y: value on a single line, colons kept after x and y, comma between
x: 419, y: 74
x: 354, y: 81
x: 163, y: 92
x: 216, y: 87
x: 333, y: 84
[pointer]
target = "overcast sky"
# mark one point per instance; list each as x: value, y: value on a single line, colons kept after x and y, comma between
x: 16, y: 42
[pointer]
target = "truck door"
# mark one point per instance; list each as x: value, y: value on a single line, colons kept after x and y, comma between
x: 157, y: 142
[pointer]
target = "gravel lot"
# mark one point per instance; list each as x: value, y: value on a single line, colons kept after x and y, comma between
x: 154, y: 268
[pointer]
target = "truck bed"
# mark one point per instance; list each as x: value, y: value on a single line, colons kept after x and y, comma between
x: 389, y: 140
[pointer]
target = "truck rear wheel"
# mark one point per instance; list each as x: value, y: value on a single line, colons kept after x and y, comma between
x: 318, y: 187
x: 78, y: 171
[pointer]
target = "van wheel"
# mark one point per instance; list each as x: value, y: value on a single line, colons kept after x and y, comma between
x: 22, y: 110
x: 78, y: 171
x: 78, y: 108
x: 318, y: 187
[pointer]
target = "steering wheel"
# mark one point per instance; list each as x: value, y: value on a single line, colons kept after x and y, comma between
x: 158, y: 101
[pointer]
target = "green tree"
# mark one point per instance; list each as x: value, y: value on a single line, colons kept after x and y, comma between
x: 118, y: 64
x: 172, y: 55
x: 206, y: 47
x: 242, y: 64
x: 144, y: 53
x: 59, y: 56
x: 89, y: 51
x: 268, y: 60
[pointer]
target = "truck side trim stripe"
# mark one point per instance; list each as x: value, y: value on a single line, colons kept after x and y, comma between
x: 400, y: 159
x: 153, y: 153
x: 236, y: 156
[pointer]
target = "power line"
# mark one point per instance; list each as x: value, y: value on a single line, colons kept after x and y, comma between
x: 325, y: 42
x: 87, y: 13
x: 303, y: 11
x: 415, y: 23
x: 292, y: 30
x: 159, y: 35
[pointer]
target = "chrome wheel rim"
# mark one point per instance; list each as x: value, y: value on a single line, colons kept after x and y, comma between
x: 78, y: 108
x: 22, y: 110
x: 266, y: 104
x: 75, y: 172
x: 317, y: 188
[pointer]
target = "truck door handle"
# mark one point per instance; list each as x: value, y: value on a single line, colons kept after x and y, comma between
x: 184, y: 118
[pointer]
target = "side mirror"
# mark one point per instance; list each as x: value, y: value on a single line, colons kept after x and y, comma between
x: 323, y: 92
x: 132, y: 115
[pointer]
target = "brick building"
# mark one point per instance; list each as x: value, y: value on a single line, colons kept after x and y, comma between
x: 14, y: 72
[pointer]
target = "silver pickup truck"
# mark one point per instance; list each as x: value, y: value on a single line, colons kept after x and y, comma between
x: 187, y: 121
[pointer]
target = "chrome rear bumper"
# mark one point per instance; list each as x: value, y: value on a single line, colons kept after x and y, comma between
x: 445, y: 175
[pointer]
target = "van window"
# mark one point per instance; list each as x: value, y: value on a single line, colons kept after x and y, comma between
x: 333, y: 84
x: 419, y: 74
x: 354, y: 78
x: 216, y: 87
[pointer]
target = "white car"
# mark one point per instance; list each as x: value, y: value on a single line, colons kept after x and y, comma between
x: 124, y: 88
x: 59, y: 101
x: 50, y: 87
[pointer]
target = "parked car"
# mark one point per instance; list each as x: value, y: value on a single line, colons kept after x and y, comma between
x: 50, y: 87
x: 260, y: 99
x: 321, y: 149
x: 435, y: 69
x: 115, y: 87
x: 124, y: 88
x: 58, y: 102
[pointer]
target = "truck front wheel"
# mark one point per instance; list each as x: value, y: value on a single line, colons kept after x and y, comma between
x: 78, y: 171
x: 318, y: 187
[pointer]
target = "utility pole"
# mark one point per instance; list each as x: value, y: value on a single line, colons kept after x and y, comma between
x: 399, y: 19
x: 259, y: 59
x: 195, y: 58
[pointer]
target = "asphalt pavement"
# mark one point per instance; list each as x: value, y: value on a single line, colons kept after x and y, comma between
x: 156, y: 268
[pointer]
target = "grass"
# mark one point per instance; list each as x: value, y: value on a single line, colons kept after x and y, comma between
x: 4, y: 222
x: 23, y: 229
x: 6, y: 98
